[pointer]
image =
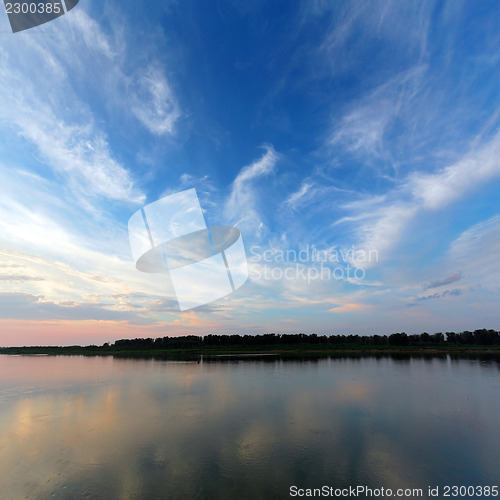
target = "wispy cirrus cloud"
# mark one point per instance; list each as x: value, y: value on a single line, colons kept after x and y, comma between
x: 78, y: 152
x: 438, y: 189
x: 364, y: 129
x: 299, y: 196
x: 49, y: 106
x: 144, y: 88
x: 475, y: 251
x: 412, y: 127
x: 386, y: 219
x: 242, y: 204
x: 205, y: 189
x: 73, y: 146
x: 153, y: 101
x: 355, y: 23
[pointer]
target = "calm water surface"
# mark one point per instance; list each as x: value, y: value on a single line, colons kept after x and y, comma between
x: 108, y: 428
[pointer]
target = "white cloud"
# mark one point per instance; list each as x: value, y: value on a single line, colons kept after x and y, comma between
x: 380, y: 222
x: 356, y: 25
x: 153, y: 102
x: 91, y: 33
x: 45, y: 92
x: 204, y: 186
x: 385, y: 228
x: 439, y: 189
x: 79, y: 152
x: 363, y: 129
x: 263, y: 166
x: 35, y: 103
x: 143, y: 89
x: 475, y: 252
x: 298, y: 196
x: 242, y: 204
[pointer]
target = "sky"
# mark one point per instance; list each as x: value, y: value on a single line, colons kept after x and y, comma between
x: 354, y: 144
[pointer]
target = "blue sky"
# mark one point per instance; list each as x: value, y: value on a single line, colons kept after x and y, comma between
x: 337, y: 126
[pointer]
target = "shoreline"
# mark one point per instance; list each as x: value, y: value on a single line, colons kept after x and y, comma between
x: 252, y: 352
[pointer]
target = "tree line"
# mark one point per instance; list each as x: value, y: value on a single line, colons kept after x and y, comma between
x: 481, y: 337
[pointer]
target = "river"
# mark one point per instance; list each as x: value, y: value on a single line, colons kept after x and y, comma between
x: 224, y: 428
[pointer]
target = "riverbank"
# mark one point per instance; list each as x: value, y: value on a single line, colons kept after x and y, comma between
x: 312, y: 350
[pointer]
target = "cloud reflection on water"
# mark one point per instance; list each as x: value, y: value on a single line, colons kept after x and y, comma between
x: 114, y: 428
